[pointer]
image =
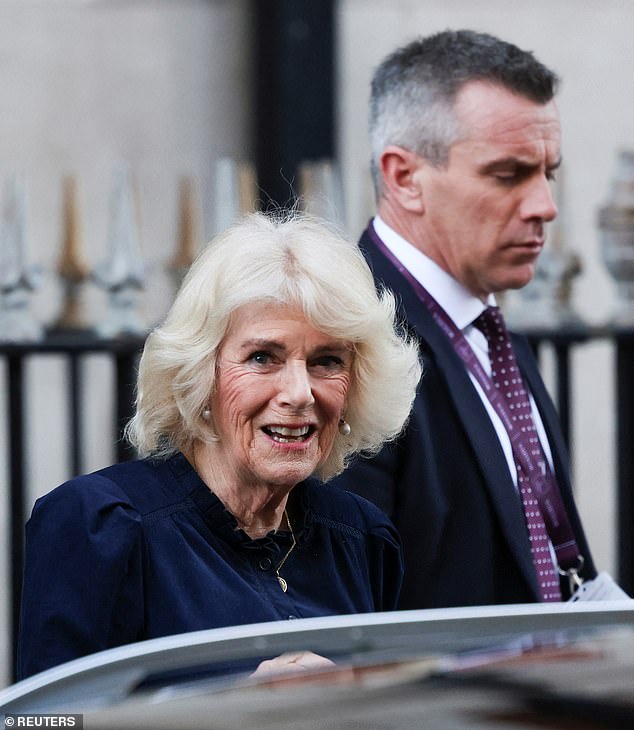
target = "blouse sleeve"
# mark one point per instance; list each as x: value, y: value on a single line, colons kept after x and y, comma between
x: 82, y: 589
x: 386, y: 564
x: 383, y: 553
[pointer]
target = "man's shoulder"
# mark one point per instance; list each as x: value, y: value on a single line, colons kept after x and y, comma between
x: 378, y: 263
x: 410, y: 311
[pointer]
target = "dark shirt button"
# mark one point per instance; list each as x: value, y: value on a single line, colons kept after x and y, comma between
x: 265, y: 564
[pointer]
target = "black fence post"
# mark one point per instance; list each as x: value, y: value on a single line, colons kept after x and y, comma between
x: 562, y: 360
x: 625, y: 459
x: 75, y: 413
x: 125, y: 364
x: 294, y: 94
x: 17, y: 508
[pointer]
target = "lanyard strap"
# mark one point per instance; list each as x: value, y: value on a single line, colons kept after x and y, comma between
x: 543, y: 482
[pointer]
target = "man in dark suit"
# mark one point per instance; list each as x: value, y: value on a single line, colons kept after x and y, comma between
x: 465, y: 139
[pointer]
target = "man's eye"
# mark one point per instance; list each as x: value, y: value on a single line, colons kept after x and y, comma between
x: 506, y: 177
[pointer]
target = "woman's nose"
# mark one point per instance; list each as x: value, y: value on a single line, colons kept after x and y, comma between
x: 295, y: 386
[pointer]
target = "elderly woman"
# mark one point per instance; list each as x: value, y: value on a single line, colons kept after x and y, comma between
x: 277, y: 362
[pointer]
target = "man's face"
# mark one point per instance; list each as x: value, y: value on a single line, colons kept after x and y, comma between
x: 485, y: 212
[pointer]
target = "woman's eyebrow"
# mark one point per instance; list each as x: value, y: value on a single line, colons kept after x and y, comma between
x: 333, y: 347
x: 261, y: 342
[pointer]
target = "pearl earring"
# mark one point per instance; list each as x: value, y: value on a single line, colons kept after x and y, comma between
x: 344, y: 427
x: 206, y: 414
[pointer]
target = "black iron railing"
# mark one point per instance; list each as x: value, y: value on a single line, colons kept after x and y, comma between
x: 74, y: 348
x: 124, y: 354
x: 563, y: 342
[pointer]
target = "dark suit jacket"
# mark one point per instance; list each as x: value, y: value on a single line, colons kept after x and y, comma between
x: 445, y: 482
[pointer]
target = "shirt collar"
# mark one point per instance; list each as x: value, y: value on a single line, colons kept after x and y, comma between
x: 461, y: 306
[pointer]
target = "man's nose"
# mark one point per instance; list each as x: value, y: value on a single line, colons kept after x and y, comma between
x: 295, y: 386
x: 539, y: 202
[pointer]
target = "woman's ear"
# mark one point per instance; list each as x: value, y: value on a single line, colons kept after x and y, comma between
x: 400, y: 170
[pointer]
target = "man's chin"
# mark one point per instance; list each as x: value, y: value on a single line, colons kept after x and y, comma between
x: 518, y: 279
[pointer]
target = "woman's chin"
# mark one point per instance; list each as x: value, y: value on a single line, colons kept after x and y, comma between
x: 289, y: 474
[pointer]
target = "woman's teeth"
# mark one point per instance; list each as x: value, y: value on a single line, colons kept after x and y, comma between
x: 284, y: 434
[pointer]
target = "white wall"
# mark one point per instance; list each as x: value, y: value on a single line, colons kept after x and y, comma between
x: 162, y: 85
x: 589, y: 43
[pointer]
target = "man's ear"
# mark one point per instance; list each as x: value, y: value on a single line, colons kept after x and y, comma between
x: 399, y: 168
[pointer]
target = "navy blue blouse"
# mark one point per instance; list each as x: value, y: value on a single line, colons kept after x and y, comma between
x: 144, y: 549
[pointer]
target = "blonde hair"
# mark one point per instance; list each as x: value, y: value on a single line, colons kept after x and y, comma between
x: 294, y: 260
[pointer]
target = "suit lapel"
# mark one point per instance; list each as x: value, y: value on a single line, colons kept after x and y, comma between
x: 559, y: 449
x: 480, y: 431
x: 550, y: 419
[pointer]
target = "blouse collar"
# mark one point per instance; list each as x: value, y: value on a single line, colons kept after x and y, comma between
x: 220, y: 520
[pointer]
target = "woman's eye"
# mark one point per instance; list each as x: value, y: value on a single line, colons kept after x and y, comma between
x: 328, y: 362
x: 260, y: 357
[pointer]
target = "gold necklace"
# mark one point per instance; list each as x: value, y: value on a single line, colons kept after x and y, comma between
x: 280, y: 580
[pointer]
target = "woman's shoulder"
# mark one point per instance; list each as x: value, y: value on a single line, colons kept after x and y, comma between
x: 139, y: 486
x: 329, y: 502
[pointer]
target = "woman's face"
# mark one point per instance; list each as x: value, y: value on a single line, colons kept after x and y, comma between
x: 280, y: 391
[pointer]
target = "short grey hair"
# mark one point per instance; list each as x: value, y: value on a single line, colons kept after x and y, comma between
x: 294, y: 260
x: 413, y: 90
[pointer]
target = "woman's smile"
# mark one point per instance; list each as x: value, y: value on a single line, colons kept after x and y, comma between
x: 289, y: 435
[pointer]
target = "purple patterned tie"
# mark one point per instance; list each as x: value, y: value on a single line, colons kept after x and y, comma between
x: 508, y: 380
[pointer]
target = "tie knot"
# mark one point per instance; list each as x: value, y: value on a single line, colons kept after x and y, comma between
x: 491, y: 323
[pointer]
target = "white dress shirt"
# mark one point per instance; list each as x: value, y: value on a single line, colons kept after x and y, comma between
x: 463, y: 308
